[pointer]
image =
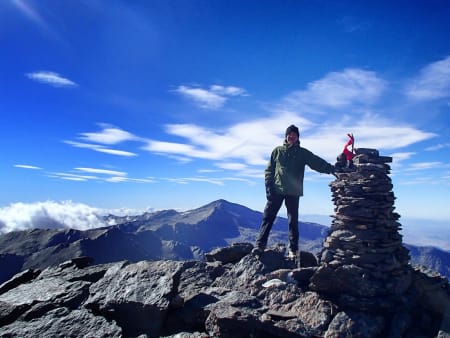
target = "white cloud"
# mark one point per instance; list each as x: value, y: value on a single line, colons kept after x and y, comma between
x: 399, y: 157
x: 26, y: 166
x: 212, y: 98
x: 187, y: 180
x: 173, y: 148
x: 109, y: 135
x: 82, y: 145
x: 251, y: 142
x: 114, y: 152
x: 425, y: 166
x: 49, y: 214
x: 376, y: 132
x: 117, y: 179
x: 432, y: 83
x: 232, y: 166
x: 228, y: 91
x: 102, y: 171
x: 74, y: 177
x: 337, y: 90
x: 51, y: 78
x: 111, y: 176
x: 438, y: 147
x: 216, y: 181
x: 126, y: 212
x: 202, y: 97
x: 179, y: 159
x: 101, y: 149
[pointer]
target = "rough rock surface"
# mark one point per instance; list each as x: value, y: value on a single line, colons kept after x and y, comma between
x: 254, y: 297
x: 361, y: 286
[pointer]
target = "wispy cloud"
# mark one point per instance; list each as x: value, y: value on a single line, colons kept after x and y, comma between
x: 117, y: 179
x: 438, y: 147
x: 337, y: 90
x: 228, y: 90
x: 114, y: 152
x: 326, y: 139
x: 216, y: 181
x: 108, y: 135
x: 250, y: 141
x: 102, y: 171
x: 232, y: 166
x: 425, y: 166
x: 73, y: 177
x: 101, y: 149
x: 212, y: 98
x: 399, y: 157
x: 105, y: 175
x: 79, y: 174
x: 26, y: 166
x: 29, y: 12
x: 51, y: 78
x: 433, y: 82
x: 30, y: 9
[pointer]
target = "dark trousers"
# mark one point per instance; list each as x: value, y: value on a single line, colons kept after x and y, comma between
x: 270, y: 213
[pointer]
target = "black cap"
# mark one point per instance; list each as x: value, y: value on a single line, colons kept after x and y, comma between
x: 291, y: 129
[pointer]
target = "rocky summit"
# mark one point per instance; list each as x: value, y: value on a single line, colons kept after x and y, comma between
x: 360, y: 285
x: 231, y: 294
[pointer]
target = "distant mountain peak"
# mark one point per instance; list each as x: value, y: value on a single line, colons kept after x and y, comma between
x: 220, y: 203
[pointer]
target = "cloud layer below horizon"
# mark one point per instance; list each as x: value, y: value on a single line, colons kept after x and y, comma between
x: 49, y: 215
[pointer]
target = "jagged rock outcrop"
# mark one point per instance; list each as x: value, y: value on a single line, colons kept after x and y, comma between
x: 228, y: 296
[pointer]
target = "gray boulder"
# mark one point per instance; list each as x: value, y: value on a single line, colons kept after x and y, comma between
x: 63, y: 322
x: 229, y: 254
x: 355, y: 325
x: 137, y: 296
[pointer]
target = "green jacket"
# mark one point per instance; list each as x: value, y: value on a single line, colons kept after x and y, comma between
x: 286, y: 169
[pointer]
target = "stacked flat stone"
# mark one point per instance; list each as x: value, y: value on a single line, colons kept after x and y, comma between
x: 364, y: 242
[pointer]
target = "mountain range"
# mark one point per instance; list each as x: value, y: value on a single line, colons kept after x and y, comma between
x: 167, y: 234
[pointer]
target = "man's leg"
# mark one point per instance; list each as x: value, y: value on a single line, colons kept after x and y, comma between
x: 292, y: 203
x: 270, y: 213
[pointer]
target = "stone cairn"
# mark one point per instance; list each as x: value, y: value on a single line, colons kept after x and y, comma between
x: 362, y: 259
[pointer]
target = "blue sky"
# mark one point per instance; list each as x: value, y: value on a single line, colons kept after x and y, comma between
x: 173, y: 104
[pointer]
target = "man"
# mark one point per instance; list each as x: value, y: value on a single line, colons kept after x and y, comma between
x: 284, y: 182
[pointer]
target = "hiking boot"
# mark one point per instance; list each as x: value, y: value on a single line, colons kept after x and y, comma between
x: 292, y: 254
